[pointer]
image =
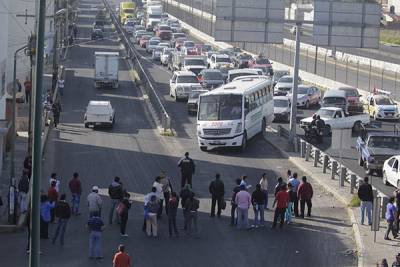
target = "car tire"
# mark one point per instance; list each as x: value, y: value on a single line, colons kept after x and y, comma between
x: 384, y: 179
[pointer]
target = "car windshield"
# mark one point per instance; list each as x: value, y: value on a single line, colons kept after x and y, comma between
x: 212, y: 75
x: 152, y: 16
x: 244, y: 56
x: 334, y: 100
x: 286, y: 80
x: 384, y: 101
x: 280, y: 103
x: 302, y: 90
x: 350, y: 92
x: 179, y: 35
x: 189, y: 44
x: 187, y: 79
x: 262, y: 61
x: 220, y: 107
x: 233, y: 76
x: 154, y: 42
x: 223, y: 60
x: 194, y: 61
x: 279, y: 74
x: 326, y: 113
x: 392, y: 142
x: 164, y: 28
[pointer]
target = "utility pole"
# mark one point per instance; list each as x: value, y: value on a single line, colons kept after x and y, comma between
x: 12, y: 206
x: 34, y: 259
x: 55, y: 21
x: 293, y: 117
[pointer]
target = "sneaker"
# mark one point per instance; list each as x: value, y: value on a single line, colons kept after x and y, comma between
x: 124, y: 235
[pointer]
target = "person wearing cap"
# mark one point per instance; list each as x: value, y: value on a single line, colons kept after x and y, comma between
x: 187, y: 170
x: 94, y: 202
x: 243, y: 202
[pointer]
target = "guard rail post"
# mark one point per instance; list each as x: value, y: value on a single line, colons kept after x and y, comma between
x: 302, y: 148
x: 325, y: 163
x: 308, y: 151
x: 385, y: 201
x: 316, y: 157
x: 353, y: 179
x: 334, y: 169
x: 343, y: 173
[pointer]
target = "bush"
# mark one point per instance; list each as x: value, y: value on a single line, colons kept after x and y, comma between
x: 355, y: 202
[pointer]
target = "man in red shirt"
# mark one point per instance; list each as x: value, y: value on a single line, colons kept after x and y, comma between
x: 305, y: 194
x: 121, y: 259
x: 281, y: 200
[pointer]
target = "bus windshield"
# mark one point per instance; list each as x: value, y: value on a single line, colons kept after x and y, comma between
x: 220, y: 107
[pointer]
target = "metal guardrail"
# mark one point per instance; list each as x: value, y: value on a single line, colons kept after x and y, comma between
x: 330, y: 165
x: 143, y: 78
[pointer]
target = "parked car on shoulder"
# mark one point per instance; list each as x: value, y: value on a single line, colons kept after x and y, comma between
x: 391, y: 171
x: 99, y: 113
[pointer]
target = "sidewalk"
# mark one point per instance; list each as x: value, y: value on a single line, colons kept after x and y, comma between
x: 369, y: 253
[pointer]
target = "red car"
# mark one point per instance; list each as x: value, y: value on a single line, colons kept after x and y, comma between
x: 179, y: 42
x: 144, y: 40
x: 262, y: 63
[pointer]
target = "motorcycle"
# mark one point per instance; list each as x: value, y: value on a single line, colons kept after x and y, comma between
x: 313, y: 133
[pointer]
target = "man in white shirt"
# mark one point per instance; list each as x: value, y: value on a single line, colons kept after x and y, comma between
x: 61, y: 85
x: 159, y: 194
x: 54, y: 178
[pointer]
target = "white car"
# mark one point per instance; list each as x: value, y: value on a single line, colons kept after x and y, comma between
x: 281, y: 108
x: 307, y: 96
x: 391, y: 171
x: 165, y: 55
x: 284, y: 85
x: 382, y: 107
x: 99, y: 113
x: 182, y: 84
x: 151, y: 45
x: 217, y: 61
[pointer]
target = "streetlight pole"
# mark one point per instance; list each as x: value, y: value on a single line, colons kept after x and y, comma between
x: 12, y: 206
x: 34, y: 258
x: 293, y: 117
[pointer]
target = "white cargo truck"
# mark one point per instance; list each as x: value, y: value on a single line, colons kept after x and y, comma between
x: 106, y: 69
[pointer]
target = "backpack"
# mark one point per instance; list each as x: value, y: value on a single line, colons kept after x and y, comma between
x: 120, y: 208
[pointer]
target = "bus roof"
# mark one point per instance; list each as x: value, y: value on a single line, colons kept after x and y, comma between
x: 241, y: 86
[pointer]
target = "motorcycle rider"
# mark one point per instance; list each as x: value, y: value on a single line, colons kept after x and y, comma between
x: 320, y: 129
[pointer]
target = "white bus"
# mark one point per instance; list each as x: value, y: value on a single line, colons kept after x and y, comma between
x: 235, y: 112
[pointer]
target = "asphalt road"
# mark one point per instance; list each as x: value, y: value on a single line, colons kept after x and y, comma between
x: 134, y: 151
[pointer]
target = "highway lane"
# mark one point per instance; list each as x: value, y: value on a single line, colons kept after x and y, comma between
x: 134, y: 151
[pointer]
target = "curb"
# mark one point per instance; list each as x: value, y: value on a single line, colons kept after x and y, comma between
x: 350, y: 212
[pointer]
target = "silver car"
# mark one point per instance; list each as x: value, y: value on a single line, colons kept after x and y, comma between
x: 156, y: 53
x: 307, y: 96
x: 284, y: 85
x: 193, y: 100
x: 151, y: 45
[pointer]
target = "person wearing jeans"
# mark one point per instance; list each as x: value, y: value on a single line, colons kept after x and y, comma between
x: 75, y: 188
x: 235, y: 190
x: 366, y: 196
x: 243, y: 201
x: 63, y: 212
x: 264, y: 188
x: 389, y: 216
x: 305, y: 194
x: 281, y: 200
x: 116, y: 194
x: 96, y: 226
x: 258, y: 200
x: 289, y: 210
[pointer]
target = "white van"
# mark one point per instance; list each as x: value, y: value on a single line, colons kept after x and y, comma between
x: 99, y: 113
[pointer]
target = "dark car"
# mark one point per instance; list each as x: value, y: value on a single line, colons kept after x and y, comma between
x: 211, y: 78
x: 165, y: 35
x: 96, y: 34
x: 242, y: 60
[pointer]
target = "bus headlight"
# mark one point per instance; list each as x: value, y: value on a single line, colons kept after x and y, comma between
x: 239, y: 127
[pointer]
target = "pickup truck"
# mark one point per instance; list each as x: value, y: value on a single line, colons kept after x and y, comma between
x: 99, y: 113
x: 335, y: 118
x: 376, y: 147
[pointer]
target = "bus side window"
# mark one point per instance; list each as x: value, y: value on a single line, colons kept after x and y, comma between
x: 246, y: 105
x: 259, y: 99
x: 262, y: 96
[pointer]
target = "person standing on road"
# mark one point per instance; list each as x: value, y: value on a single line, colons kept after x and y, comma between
x: 185, y: 194
x: 187, y: 170
x: 167, y: 189
x: 147, y: 200
x: 56, y: 108
x: 258, y: 201
x: 94, y: 202
x: 243, y: 201
x: 295, y: 183
x: 63, y: 212
x: 282, y: 200
x: 217, y: 191
x: 28, y: 89
x: 278, y: 185
x: 172, y: 211
x: 235, y: 190
x: 366, y: 196
x: 151, y: 216
x: 45, y: 207
x: 264, y: 188
x: 160, y: 195
x: 121, y: 259
x: 289, y: 210
x: 52, y: 195
x: 244, y: 182
x: 57, y: 180
x: 389, y: 216
x: 61, y: 84
x: 192, y: 204
x: 75, y: 187
x: 23, y: 189
x: 96, y: 226
x: 123, y: 212
x: 396, y: 194
x: 305, y: 194
x: 116, y: 193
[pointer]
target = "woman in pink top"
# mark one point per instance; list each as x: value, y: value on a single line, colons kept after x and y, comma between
x: 243, y: 201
